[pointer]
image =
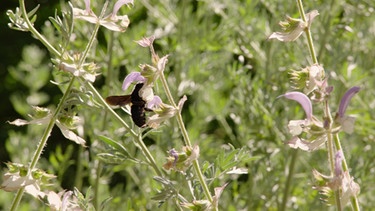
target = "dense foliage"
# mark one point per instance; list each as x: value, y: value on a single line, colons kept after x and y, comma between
x: 221, y: 59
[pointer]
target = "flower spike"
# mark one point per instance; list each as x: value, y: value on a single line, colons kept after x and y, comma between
x: 119, y: 4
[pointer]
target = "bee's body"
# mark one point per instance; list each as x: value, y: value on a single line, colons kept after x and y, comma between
x: 138, y: 105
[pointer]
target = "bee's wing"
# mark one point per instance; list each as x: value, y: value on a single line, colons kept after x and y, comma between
x: 119, y: 100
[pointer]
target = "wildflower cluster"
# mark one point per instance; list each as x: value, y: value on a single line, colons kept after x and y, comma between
x: 180, y: 161
x: 29, y: 179
x: 313, y: 132
x: 148, y: 77
x: 112, y: 21
x: 19, y: 176
x: 67, y: 122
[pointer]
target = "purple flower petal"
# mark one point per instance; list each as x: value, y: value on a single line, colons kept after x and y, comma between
x: 346, y: 99
x: 303, y: 100
x: 119, y: 4
x: 132, y: 77
x: 146, y: 42
x: 155, y: 102
x: 310, y: 16
x: 87, y: 4
x: 174, y: 154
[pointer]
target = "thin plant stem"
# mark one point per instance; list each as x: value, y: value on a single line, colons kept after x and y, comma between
x: 35, y: 32
x: 99, y: 166
x: 136, y: 137
x: 330, y: 147
x: 148, y: 155
x: 17, y: 199
x: 308, y: 33
x: 51, y: 123
x: 327, y: 112
x: 333, y: 144
x: 331, y: 158
x: 354, y: 199
x: 47, y: 132
x: 186, y: 138
x: 179, y: 117
x: 43, y: 143
x: 92, y: 38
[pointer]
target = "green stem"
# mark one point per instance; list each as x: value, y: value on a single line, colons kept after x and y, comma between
x: 43, y: 143
x: 148, y: 155
x: 179, y: 117
x: 109, y: 109
x: 35, y: 32
x: 331, y: 158
x: 17, y: 199
x: 354, y: 199
x: 186, y: 138
x: 48, y: 130
x: 136, y: 137
x: 108, y: 80
x: 330, y: 147
x: 308, y: 33
x: 333, y: 143
x: 91, y: 41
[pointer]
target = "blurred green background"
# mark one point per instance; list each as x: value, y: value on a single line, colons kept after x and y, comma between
x: 221, y: 59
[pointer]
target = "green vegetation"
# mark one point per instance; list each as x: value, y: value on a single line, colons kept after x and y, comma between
x: 221, y: 59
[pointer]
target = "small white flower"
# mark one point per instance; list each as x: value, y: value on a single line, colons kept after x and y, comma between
x: 298, y: 143
x: 293, y: 28
x: 112, y: 21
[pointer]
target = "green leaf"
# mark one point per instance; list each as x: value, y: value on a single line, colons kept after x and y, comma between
x: 115, y: 145
x: 33, y: 11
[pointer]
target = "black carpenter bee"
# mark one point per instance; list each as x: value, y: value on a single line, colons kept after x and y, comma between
x: 138, y: 105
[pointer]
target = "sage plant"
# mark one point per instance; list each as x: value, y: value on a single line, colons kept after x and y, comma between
x: 27, y: 178
x: 312, y: 91
x: 77, y: 74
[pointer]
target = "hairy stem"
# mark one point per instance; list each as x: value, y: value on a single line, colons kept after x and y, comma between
x: 331, y: 158
x: 136, y: 137
x: 42, y: 143
x: 333, y: 143
x: 35, y: 32
x: 186, y: 138
x: 51, y: 124
x: 308, y: 33
x: 354, y: 199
